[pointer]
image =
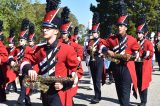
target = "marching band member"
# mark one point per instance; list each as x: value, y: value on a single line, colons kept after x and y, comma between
x: 75, y: 37
x: 144, y: 63
x: 66, y: 33
x: 124, y: 72
x: 10, y: 74
x: 87, y: 57
x: 96, y: 62
x: 54, y: 59
x: 31, y: 38
x: 16, y: 58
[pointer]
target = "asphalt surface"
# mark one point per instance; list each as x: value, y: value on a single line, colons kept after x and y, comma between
x: 109, y: 96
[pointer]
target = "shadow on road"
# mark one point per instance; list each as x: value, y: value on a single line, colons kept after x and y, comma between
x: 155, y: 74
x: 13, y: 103
x: 111, y: 100
x: 84, y: 81
x: 79, y: 105
x: 134, y: 104
x: 89, y: 97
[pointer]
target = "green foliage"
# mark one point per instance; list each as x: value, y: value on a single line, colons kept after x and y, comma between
x: 108, y: 12
x: 12, y: 12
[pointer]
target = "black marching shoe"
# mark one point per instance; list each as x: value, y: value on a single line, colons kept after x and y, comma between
x: 19, y: 104
x: 2, y: 100
x: 7, y: 91
x: 28, y: 104
x: 95, y: 100
x: 27, y: 101
x: 2, y: 96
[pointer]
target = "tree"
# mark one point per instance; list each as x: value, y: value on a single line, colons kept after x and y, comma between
x: 12, y: 12
x: 108, y: 13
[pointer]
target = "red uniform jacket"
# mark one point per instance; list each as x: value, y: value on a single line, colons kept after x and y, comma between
x: 147, y: 64
x: 67, y: 60
x: 3, y: 54
x: 10, y: 74
x: 35, y: 67
x: 3, y: 60
x: 13, y: 56
x: 74, y: 38
x: 132, y: 46
x: 78, y: 48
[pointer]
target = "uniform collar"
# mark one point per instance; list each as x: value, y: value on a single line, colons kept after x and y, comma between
x: 120, y: 37
x: 52, y: 46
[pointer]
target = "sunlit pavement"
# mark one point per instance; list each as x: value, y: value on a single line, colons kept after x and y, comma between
x: 109, y: 96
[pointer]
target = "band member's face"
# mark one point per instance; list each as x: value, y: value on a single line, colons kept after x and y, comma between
x: 11, y: 45
x: 49, y: 32
x: 22, y: 42
x: 95, y: 35
x: 76, y: 41
x: 31, y: 43
x: 65, y: 36
x: 122, y: 29
x: 158, y: 37
x: 140, y: 36
x: 91, y: 37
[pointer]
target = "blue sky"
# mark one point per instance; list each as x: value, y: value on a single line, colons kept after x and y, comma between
x: 80, y: 8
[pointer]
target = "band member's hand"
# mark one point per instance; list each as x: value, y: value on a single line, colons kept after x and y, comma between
x: 13, y: 63
x: 110, y: 53
x: 79, y: 58
x: 58, y: 86
x: 127, y: 57
x: 74, y: 75
x: 94, y: 48
x: 32, y: 74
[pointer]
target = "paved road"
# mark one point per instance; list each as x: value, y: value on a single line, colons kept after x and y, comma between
x: 109, y: 96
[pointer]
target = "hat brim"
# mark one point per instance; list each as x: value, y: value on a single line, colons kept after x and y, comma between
x: 118, y: 24
x: 64, y: 32
x: 22, y: 38
x: 94, y: 31
x: 139, y: 31
x: 50, y: 25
